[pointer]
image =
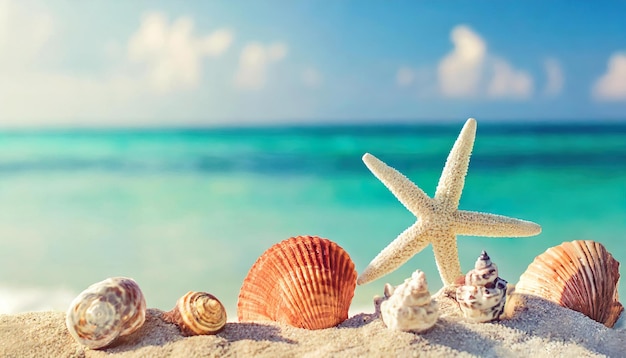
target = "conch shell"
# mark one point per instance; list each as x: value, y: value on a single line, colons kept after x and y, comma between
x: 105, y: 310
x: 580, y: 275
x: 305, y: 281
x: 409, y: 307
x: 197, y: 313
x: 483, y: 295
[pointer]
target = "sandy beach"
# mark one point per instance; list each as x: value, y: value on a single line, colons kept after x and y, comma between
x: 534, y: 328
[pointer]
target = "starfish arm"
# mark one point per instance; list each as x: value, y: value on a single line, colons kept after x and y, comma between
x: 452, y: 178
x: 447, y: 258
x: 405, y: 246
x: 409, y: 194
x: 480, y: 224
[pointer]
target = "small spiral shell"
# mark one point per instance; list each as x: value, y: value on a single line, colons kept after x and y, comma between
x: 105, y: 310
x: 483, y: 295
x: 197, y: 313
x: 409, y: 306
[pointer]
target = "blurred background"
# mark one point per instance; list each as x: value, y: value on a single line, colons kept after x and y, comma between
x: 175, y: 142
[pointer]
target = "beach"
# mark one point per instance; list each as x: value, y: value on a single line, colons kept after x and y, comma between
x: 532, y: 327
x: 183, y: 210
x: 193, y: 210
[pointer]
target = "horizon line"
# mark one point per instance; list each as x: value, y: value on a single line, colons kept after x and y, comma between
x: 305, y: 123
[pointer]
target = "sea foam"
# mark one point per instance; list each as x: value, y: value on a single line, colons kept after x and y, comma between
x: 17, y: 300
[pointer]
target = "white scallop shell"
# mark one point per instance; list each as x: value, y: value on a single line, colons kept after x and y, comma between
x: 105, y: 310
x: 483, y: 295
x: 409, y: 306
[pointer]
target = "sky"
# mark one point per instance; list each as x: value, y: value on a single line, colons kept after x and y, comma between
x: 202, y: 63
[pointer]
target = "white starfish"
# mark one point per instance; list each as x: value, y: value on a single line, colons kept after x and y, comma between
x: 439, y: 220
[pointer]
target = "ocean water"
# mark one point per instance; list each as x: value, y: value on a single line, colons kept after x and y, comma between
x: 192, y: 209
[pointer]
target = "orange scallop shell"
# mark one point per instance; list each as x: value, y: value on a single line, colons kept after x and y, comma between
x: 580, y: 275
x: 305, y: 281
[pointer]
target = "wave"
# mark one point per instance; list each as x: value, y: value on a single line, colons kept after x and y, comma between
x: 19, y: 300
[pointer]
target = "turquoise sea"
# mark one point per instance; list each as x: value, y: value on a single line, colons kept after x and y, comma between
x: 192, y: 209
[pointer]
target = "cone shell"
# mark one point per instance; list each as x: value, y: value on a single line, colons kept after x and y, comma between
x: 197, y: 313
x: 580, y: 275
x: 105, y: 310
x: 305, y: 281
x: 483, y: 295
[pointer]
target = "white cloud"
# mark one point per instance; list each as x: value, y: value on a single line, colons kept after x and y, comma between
x: 508, y: 82
x: 611, y: 86
x: 405, y: 76
x: 158, y: 58
x: 460, y: 71
x: 24, y: 34
x: 469, y: 71
x: 277, y: 51
x: 554, y: 77
x: 311, y: 77
x: 254, y: 62
x: 172, y: 53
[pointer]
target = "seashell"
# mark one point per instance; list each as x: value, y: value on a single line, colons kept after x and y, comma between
x: 105, y: 310
x: 197, y: 313
x: 483, y: 295
x: 305, y: 281
x: 409, y: 307
x: 580, y: 275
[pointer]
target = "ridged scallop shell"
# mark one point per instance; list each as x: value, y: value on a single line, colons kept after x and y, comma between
x: 483, y: 295
x: 105, y: 310
x: 409, y: 307
x: 197, y: 313
x: 580, y: 275
x: 304, y: 281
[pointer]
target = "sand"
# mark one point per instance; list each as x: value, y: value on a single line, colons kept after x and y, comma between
x: 535, y: 328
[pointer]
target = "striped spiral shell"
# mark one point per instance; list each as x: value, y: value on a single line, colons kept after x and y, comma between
x: 305, y: 281
x: 197, y: 313
x: 580, y: 275
x: 105, y: 310
x: 483, y: 295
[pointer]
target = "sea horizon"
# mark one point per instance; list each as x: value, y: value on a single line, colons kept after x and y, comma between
x: 300, y: 123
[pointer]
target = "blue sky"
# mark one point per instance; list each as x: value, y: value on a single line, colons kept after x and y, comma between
x: 154, y: 63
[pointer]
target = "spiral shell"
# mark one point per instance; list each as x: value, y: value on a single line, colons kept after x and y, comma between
x: 580, y: 275
x: 105, y: 310
x: 483, y: 295
x: 409, y: 307
x: 197, y: 313
x: 304, y: 281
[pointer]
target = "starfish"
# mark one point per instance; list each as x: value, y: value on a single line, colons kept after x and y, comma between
x: 439, y: 220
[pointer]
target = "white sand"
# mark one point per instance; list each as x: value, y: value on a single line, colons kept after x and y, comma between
x: 537, y: 328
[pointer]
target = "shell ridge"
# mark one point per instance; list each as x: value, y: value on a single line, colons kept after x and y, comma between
x: 587, y: 275
x: 288, y: 293
x: 309, y: 271
x: 590, y: 275
x: 347, y: 272
x: 251, y: 295
x: 320, y: 284
x: 300, y: 271
x: 248, y: 292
